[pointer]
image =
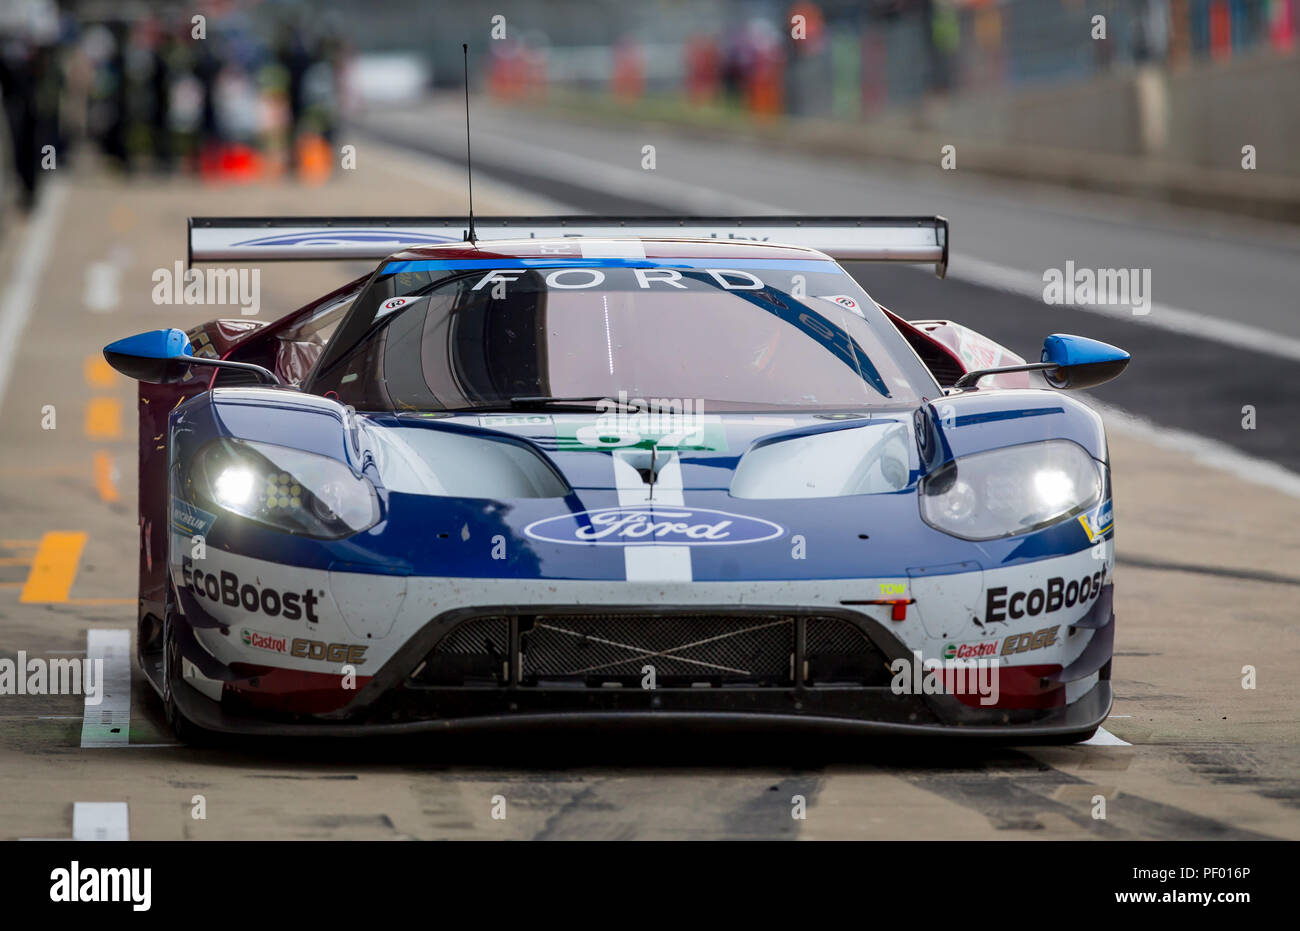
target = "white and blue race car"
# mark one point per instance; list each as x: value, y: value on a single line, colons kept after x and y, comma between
x: 604, y: 470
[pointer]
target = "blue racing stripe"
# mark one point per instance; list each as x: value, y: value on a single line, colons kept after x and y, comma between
x: 792, y: 265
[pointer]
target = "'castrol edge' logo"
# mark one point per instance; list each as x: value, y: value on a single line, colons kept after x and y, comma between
x: 648, y: 525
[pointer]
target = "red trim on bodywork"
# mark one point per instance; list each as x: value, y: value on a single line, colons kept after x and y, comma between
x: 1018, y: 687
x: 270, y: 688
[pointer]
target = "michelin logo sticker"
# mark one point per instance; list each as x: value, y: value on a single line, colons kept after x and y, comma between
x: 1097, y: 523
x: 190, y: 520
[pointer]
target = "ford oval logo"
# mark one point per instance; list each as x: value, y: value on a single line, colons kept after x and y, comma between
x: 650, y: 525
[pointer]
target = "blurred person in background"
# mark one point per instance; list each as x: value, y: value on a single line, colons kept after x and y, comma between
x: 30, y: 84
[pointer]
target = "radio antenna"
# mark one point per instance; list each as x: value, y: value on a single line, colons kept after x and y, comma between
x: 470, y: 235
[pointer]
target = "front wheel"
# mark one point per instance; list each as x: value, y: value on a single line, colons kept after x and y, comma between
x: 186, y: 731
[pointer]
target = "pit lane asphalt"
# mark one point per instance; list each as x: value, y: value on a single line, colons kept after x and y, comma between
x: 1208, y: 758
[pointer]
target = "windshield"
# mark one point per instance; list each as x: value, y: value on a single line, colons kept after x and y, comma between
x: 509, y: 333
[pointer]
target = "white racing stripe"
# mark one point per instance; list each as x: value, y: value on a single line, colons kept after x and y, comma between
x: 20, y: 290
x: 100, y: 821
x: 652, y: 563
x: 108, y: 724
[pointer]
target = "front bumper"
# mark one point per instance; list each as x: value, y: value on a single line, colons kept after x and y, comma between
x: 818, y: 712
x: 813, y: 696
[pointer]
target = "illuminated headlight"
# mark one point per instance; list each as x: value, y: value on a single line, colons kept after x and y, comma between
x: 284, y: 488
x: 1008, y: 491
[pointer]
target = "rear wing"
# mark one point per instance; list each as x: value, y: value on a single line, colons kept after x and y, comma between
x: 921, y: 240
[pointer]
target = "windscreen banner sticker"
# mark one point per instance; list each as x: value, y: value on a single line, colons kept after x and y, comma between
x: 190, y: 520
x: 497, y: 421
x: 664, y: 431
x: 1098, y: 522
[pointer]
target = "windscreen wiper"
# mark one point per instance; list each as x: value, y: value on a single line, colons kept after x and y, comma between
x: 585, y: 402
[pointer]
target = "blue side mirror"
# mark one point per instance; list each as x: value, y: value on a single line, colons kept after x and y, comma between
x: 165, y: 356
x: 1079, y: 362
x: 156, y: 356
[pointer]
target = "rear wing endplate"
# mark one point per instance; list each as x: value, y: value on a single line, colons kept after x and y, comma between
x: 920, y: 240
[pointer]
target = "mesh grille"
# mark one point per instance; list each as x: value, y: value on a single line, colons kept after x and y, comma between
x: 483, y: 635
x: 595, y: 649
x: 693, y: 647
x: 833, y: 635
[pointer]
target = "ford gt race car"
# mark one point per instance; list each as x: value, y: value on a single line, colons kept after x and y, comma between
x: 611, y: 469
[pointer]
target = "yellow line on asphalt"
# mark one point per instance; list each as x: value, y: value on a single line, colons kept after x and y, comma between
x: 105, y: 485
x: 99, y: 374
x: 54, y: 568
x: 104, y: 418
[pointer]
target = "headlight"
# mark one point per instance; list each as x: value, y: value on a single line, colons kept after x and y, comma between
x: 284, y: 488
x: 1008, y: 491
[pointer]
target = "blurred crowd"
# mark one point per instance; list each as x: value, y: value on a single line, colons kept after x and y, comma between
x: 842, y: 58
x: 223, y: 99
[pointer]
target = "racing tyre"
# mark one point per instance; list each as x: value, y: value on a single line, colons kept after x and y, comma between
x: 186, y: 731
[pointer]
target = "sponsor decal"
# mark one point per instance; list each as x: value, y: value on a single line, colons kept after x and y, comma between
x: 1098, y: 522
x: 190, y: 520
x: 844, y: 301
x: 261, y: 641
x: 303, y: 648
x: 999, y: 606
x: 1032, y: 640
x: 649, y: 525
x: 977, y: 650
x: 223, y: 587
x: 328, y: 652
x: 1013, y: 644
x: 396, y: 303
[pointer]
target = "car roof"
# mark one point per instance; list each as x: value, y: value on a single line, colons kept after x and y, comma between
x: 630, y: 247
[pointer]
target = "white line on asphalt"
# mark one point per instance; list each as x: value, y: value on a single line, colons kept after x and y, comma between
x: 1202, y: 449
x: 20, y: 291
x: 963, y: 267
x: 100, y: 821
x: 108, y: 724
x: 1104, y: 738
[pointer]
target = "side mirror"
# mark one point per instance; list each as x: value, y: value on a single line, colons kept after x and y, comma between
x: 1079, y: 362
x: 158, y: 356
x: 164, y: 357
x: 1068, y: 362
